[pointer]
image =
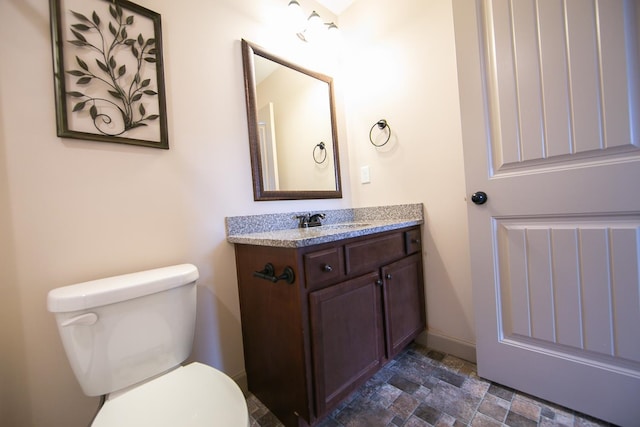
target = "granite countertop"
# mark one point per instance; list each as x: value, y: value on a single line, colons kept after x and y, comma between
x: 280, y: 230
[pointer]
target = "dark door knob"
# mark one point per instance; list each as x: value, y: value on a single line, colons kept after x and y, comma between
x: 479, y: 198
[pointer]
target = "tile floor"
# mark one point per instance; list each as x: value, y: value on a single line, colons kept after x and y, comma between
x: 421, y: 387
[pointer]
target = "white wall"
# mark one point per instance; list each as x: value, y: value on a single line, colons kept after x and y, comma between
x: 400, y: 65
x: 75, y: 210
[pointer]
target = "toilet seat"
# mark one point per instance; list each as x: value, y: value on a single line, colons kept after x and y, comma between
x: 195, y: 395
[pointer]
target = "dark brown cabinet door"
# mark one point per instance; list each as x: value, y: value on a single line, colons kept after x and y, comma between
x: 403, y: 302
x: 347, y: 337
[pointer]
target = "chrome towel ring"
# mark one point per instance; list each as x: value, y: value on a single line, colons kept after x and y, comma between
x: 382, y: 125
x: 322, y: 154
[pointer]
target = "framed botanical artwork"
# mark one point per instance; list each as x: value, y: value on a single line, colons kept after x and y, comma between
x: 108, y: 69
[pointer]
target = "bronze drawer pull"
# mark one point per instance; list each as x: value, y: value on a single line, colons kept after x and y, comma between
x: 269, y: 273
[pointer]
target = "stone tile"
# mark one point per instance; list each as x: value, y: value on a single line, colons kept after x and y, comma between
x: 362, y: 402
x: 371, y: 386
x: 481, y: 420
x: 344, y: 404
x: 426, y: 388
x: 475, y: 386
x: 385, y: 373
x: 373, y: 416
x: 517, y: 420
x: 413, y: 368
x: 546, y: 422
x: 404, y: 405
x: 494, y: 407
x: 397, y: 421
x: 546, y: 412
x: 427, y: 413
x: 559, y: 415
x: 404, y: 384
x: 526, y: 407
x: 453, y: 401
x: 502, y: 392
x: 416, y: 422
x: 256, y: 408
x: 252, y: 402
x: 386, y: 395
x: 430, y: 382
x: 422, y: 393
x: 445, y: 420
x: 586, y: 421
x: 452, y: 363
x: 468, y: 369
x: 448, y: 376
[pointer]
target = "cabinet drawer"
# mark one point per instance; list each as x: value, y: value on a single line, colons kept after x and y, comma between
x: 369, y: 254
x: 413, y: 241
x: 325, y: 266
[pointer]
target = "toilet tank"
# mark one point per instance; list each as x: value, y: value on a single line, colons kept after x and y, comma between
x: 122, y: 330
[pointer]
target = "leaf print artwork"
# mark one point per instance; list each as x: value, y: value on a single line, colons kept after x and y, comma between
x: 126, y: 95
x: 108, y: 63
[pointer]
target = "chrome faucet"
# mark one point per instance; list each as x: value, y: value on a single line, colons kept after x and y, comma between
x: 303, y: 221
x: 314, y: 220
x: 309, y: 220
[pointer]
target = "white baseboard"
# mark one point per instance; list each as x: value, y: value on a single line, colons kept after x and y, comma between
x: 455, y: 347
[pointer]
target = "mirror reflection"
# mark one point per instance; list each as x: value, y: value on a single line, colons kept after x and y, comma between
x: 292, y: 133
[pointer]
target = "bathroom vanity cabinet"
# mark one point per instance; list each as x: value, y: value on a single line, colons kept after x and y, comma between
x: 352, y: 305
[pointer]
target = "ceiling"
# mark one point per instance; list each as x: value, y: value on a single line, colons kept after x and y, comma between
x: 336, y: 6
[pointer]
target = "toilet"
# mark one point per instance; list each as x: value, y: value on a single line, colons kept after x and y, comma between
x: 126, y: 338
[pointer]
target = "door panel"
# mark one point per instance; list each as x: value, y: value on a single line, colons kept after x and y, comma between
x: 559, y: 78
x: 555, y: 86
x: 572, y: 282
x: 549, y: 95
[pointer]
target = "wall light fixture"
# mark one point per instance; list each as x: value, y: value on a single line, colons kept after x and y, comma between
x: 312, y: 27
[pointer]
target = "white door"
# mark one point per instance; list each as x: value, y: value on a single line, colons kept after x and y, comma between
x: 268, y: 147
x: 549, y: 93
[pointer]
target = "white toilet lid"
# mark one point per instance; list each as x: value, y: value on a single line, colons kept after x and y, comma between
x: 194, y: 395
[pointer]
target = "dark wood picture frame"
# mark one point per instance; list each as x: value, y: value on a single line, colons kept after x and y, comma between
x: 249, y: 51
x: 108, y: 72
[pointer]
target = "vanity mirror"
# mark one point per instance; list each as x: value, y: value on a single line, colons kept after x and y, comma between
x: 292, y: 129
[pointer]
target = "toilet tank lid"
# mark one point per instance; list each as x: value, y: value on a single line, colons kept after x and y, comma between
x: 96, y: 293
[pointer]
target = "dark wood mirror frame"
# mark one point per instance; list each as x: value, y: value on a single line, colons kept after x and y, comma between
x: 259, y: 192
